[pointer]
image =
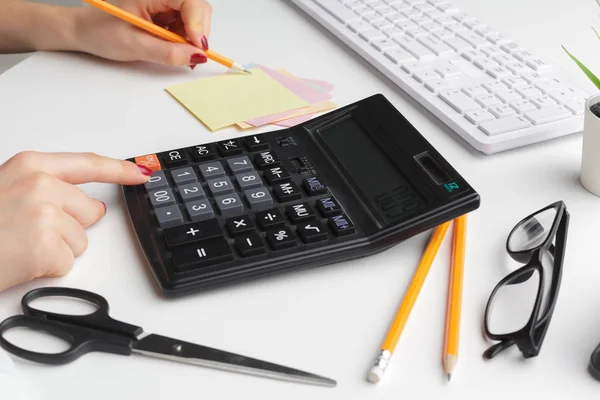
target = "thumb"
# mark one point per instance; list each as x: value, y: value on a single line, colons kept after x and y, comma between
x: 153, y: 49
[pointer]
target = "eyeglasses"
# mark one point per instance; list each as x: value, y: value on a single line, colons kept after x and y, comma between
x: 520, y: 307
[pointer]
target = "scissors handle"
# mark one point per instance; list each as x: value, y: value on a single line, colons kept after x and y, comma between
x: 98, y: 319
x: 81, y: 340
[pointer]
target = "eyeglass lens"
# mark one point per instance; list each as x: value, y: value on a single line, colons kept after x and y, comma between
x: 531, y: 232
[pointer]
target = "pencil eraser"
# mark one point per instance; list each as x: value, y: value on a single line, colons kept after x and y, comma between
x: 375, y: 375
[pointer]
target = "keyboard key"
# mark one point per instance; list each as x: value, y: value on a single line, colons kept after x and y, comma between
x: 474, y: 23
x: 220, y: 186
x: 191, y: 191
x: 420, y: 19
x: 550, y: 85
x: 529, y: 91
x: 477, y: 116
x: 432, y: 26
x: 211, y: 170
x: 448, y: 8
x: 503, y: 125
x: 199, y: 210
x: 259, y: 198
x: 425, y: 74
x: 250, y: 244
x: 314, y: 186
x: 371, y: 34
x: 150, y: 161
x: 412, y: 67
x: 383, y: 44
x: 458, y: 100
x: 194, y: 232
x: 256, y: 143
x: 443, y: 34
x: 202, y: 153
x: 161, y: 197
x: 398, y: 55
x: 270, y: 219
x: 435, y: 45
x: 437, y: 85
x: 548, y: 114
x: 538, y: 65
x: 229, y: 204
x: 231, y: 147
x: 542, y: 101
x: 502, y: 110
x: 300, y: 212
x: 503, y: 58
x: 517, y: 67
x: 473, y: 39
x: 463, y: 17
x: 169, y: 216
x: 201, y: 254
x: 267, y: 159
x: 337, y: 10
x: 575, y: 106
x: 239, y: 225
x: 497, y: 39
x: 487, y: 100
x: 475, y: 90
x: 514, y: 82
x: 486, y: 63
x: 415, y: 48
x: 495, y: 86
x: 458, y: 44
x: 473, y: 54
x: 498, y: 72
x: 183, y: 175
x: 491, y: 51
x: 281, y: 238
x: 359, y: 26
x: 510, y: 47
x: 484, y: 31
x: 381, y: 24
x: 508, y: 96
x: 393, y: 31
x: 533, y: 77
x: 157, y: 180
x: 329, y: 206
x: 174, y: 158
x: 372, y: 17
x: 341, y: 225
x: 522, y: 106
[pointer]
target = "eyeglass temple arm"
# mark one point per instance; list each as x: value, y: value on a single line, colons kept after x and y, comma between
x: 497, y: 348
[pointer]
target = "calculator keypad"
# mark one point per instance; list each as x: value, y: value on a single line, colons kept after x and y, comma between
x: 237, y: 197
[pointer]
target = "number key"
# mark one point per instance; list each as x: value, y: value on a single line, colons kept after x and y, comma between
x: 211, y: 170
x: 248, y: 180
x: 220, y: 186
x: 161, y: 197
x: 240, y: 164
x: 191, y: 191
x: 157, y: 180
x: 199, y: 210
x: 183, y: 175
x: 229, y: 204
x: 258, y: 198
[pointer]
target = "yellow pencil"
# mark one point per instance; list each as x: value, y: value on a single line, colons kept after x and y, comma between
x: 455, y: 284
x: 387, y: 349
x: 160, y: 32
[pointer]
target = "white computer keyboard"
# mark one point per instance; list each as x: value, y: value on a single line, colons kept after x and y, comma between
x: 492, y: 92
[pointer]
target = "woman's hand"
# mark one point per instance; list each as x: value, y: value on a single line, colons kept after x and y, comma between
x: 43, y: 215
x: 106, y: 36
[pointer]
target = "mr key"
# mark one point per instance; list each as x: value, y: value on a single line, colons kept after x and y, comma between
x: 338, y: 187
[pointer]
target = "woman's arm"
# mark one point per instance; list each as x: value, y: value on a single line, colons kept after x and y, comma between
x: 26, y: 26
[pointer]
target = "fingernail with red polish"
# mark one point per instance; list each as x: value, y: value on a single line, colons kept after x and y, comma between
x: 204, y: 41
x: 192, y: 66
x: 198, y: 59
x: 145, y: 170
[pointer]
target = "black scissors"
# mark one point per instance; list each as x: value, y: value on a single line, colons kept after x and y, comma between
x: 99, y: 332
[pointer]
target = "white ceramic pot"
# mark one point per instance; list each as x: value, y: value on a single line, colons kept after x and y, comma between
x: 590, y: 157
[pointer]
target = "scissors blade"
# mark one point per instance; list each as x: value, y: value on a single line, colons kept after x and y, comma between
x: 176, y: 350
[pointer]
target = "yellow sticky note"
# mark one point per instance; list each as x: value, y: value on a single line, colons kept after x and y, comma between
x: 227, y: 99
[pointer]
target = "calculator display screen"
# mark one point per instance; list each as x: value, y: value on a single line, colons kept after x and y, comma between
x: 375, y: 175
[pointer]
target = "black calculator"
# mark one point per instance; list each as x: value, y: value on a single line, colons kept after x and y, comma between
x: 347, y: 184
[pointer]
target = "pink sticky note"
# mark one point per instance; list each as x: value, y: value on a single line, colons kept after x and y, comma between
x: 303, y: 90
x: 294, y: 121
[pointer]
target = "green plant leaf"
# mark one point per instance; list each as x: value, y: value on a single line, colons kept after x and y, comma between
x: 595, y: 31
x: 585, y: 70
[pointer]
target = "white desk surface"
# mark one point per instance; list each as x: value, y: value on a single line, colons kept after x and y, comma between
x: 329, y: 320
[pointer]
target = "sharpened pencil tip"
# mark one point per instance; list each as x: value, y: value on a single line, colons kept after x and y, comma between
x: 248, y: 72
x: 449, y: 377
